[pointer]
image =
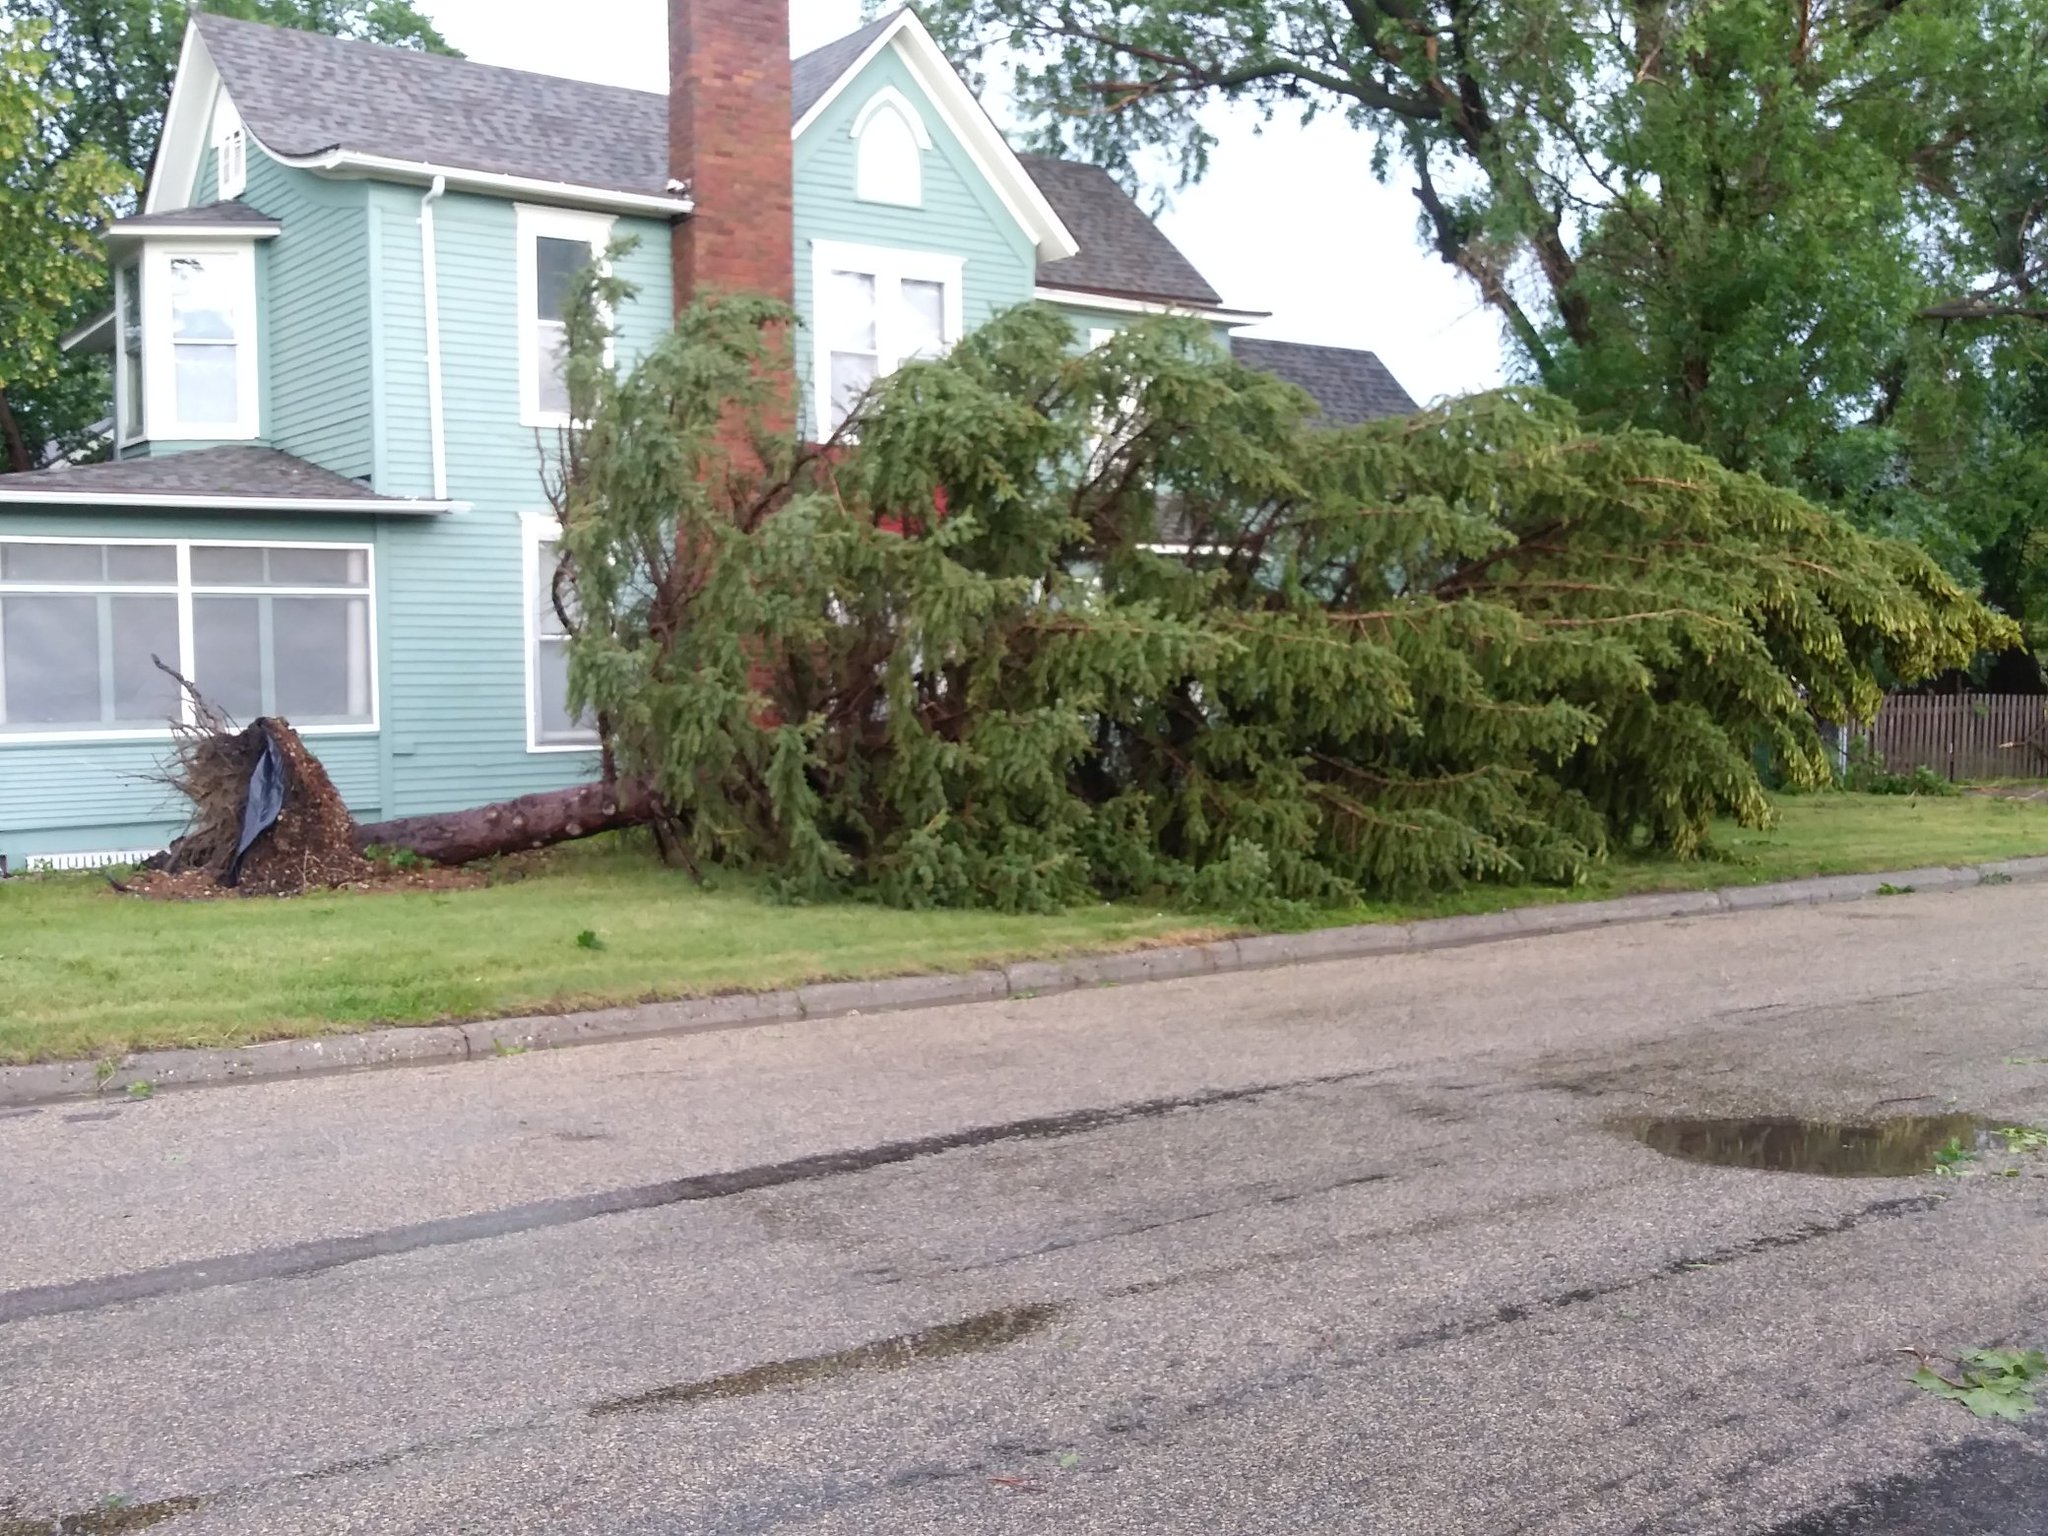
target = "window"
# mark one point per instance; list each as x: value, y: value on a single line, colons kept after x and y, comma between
x: 128, y: 381
x: 875, y: 309
x: 260, y: 629
x: 550, y: 724
x: 890, y: 140
x: 231, y: 152
x: 554, y: 246
x: 198, y: 308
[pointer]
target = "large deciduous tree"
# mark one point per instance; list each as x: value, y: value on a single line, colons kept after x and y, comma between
x: 51, y: 204
x: 1801, y: 234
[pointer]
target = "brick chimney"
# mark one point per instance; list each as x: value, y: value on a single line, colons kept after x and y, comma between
x: 728, y: 138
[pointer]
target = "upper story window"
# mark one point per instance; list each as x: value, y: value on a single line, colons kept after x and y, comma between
x: 188, y: 339
x: 554, y: 245
x: 890, y: 139
x: 230, y: 152
x: 875, y: 308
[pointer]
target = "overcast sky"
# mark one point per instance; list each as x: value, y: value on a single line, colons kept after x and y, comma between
x: 1289, y: 221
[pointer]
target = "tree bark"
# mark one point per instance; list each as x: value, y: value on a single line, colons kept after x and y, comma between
x: 511, y: 826
x: 18, y: 461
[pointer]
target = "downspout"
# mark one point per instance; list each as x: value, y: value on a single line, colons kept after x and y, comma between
x: 437, y: 429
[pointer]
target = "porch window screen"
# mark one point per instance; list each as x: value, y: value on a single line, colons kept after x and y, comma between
x: 261, y: 629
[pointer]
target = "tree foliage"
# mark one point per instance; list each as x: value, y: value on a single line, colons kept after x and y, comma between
x: 1805, y: 235
x: 50, y: 207
x: 1042, y: 623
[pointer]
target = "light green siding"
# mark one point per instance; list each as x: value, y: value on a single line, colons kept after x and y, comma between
x: 961, y: 216
x: 315, y: 303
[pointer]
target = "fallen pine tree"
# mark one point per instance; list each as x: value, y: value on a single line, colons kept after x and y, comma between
x: 1041, y: 625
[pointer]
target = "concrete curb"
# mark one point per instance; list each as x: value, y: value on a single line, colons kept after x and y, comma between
x: 149, y: 1070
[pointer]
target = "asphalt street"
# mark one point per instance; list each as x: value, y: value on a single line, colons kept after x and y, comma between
x: 1359, y: 1247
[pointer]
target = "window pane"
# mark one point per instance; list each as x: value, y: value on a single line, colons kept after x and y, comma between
x: 142, y: 565
x: 203, y: 298
x: 52, y: 562
x: 322, y: 666
x: 227, y: 664
x: 227, y: 565
x: 50, y: 648
x: 555, y: 265
x: 206, y: 385
x: 887, y: 168
x: 924, y: 318
x: 291, y: 566
x: 143, y: 627
x: 546, y: 621
x: 551, y: 676
x: 850, y: 311
x: 852, y: 373
x: 553, y: 351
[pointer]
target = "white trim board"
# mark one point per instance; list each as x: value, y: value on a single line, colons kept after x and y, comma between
x: 146, y: 501
x: 1079, y: 298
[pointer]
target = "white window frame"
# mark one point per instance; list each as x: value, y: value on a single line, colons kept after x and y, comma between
x: 535, y: 223
x: 888, y: 264
x: 159, y: 359
x: 184, y: 592
x: 536, y: 529
x: 900, y: 184
x: 131, y: 419
x: 230, y: 151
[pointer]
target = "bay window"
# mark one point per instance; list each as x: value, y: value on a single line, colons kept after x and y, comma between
x: 875, y: 308
x: 128, y: 376
x: 554, y: 246
x: 260, y: 629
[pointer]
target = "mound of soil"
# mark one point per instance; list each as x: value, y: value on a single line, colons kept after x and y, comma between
x: 311, y: 845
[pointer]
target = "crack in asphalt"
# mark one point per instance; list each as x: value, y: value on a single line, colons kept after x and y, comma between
x: 299, y: 1260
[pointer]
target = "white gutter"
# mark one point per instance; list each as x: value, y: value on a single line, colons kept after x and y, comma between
x: 342, y: 162
x: 88, y: 334
x: 1081, y: 299
x: 430, y: 280
x: 368, y: 506
x: 268, y: 230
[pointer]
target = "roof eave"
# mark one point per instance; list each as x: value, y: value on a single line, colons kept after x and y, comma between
x: 377, y: 506
x: 1136, y: 304
x: 96, y: 335
x: 349, y: 165
x: 244, y: 231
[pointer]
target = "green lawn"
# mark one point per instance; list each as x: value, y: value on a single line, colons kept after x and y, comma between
x: 85, y: 971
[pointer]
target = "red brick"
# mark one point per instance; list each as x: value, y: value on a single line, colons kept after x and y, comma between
x: 728, y: 137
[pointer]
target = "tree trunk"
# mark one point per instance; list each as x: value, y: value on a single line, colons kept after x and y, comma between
x: 18, y: 460
x: 531, y: 821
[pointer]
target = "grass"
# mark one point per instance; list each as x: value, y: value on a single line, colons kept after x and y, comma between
x: 87, y: 972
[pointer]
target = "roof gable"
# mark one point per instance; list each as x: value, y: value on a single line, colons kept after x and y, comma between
x: 956, y: 106
x: 1348, y: 386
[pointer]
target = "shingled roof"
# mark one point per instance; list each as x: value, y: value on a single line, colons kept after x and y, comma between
x: 230, y: 214
x: 228, y: 473
x: 1350, y: 386
x: 305, y: 93
x: 1122, y: 251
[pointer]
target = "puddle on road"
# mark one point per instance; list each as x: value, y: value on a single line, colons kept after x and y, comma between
x: 973, y: 1335
x: 111, y: 1520
x: 1885, y: 1149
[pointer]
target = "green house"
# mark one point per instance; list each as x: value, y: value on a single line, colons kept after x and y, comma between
x: 334, y: 353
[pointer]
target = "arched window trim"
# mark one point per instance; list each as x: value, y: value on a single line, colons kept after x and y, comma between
x: 892, y: 187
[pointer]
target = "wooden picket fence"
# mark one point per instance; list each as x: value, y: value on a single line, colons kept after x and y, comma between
x: 1964, y: 735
